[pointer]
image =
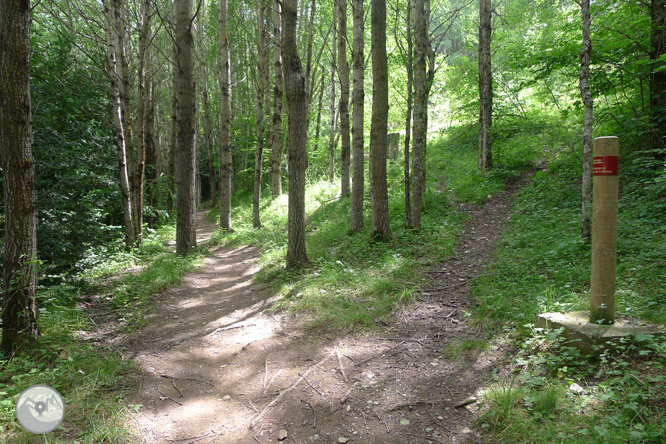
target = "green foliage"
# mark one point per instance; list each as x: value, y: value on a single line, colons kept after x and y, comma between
x: 92, y: 381
x: 459, y: 348
x: 560, y: 395
x: 75, y: 156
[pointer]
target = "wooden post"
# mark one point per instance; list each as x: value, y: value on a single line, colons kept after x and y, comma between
x: 604, y: 230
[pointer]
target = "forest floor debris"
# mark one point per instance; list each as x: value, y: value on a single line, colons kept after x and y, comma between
x: 244, y: 374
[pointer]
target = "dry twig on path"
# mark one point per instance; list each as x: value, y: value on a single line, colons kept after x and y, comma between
x: 282, y: 394
x: 167, y: 396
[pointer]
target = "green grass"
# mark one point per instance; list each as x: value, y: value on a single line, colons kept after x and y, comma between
x: 457, y: 349
x: 542, y: 265
x: 92, y: 380
x: 355, y: 282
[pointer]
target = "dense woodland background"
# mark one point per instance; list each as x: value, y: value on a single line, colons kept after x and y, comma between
x: 536, y: 48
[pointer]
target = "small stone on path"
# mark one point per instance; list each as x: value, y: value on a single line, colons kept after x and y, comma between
x: 282, y: 435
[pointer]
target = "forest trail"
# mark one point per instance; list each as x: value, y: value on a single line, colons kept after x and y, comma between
x: 217, y: 368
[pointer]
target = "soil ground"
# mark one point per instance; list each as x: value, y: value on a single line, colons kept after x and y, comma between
x: 218, y: 368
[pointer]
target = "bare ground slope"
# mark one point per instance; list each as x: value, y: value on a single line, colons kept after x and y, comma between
x: 217, y: 368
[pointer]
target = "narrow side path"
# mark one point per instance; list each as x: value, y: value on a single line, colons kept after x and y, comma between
x: 217, y: 368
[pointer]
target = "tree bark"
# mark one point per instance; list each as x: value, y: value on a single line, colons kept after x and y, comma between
x: 19, y: 307
x: 379, y: 128
x: 206, y: 113
x: 408, y: 119
x: 151, y: 145
x: 319, y: 108
x: 333, y: 118
x: 143, y: 105
x: 309, y: 81
x: 658, y: 75
x: 258, y: 160
x: 586, y: 222
x: 485, y: 86
x: 186, y: 217
x: 421, y: 92
x: 278, y: 97
x: 358, y: 99
x: 225, y: 116
x: 171, y: 155
x: 343, y: 66
x: 297, y: 137
x: 119, y: 77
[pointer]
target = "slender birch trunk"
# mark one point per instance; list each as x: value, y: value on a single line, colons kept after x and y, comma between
x: 117, y: 75
x: 588, y: 103
x: 331, y: 132
x: 420, y: 110
x: 408, y: 118
x: 343, y: 66
x: 358, y: 99
x: 485, y: 86
x: 225, y: 116
x: 258, y: 160
x: 278, y: 97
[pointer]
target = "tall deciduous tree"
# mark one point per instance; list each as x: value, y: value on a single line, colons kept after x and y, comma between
x: 143, y: 108
x: 225, y: 117
x: 586, y: 94
x: 19, y: 308
x: 485, y: 86
x: 358, y: 99
x: 185, y: 150
x: 409, y: 65
x: 331, y: 133
x: 658, y: 74
x: 422, y: 82
x: 116, y: 30
x: 278, y: 97
x: 294, y: 82
x: 207, y: 139
x: 379, y: 127
x: 261, y: 90
x: 343, y: 67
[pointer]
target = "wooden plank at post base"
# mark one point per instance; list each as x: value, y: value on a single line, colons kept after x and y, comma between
x: 604, y: 230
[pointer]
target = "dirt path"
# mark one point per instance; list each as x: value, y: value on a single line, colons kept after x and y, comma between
x: 217, y: 369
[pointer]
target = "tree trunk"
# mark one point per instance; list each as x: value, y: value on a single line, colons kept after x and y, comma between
x: 297, y: 137
x: 258, y: 160
x: 143, y: 104
x: 308, y: 66
x: 421, y: 92
x: 658, y: 74
x: 343, y: 65
x: 207, y: 121
x: 278, y: 96
x: 117, y: 74
x: 19, y: 307
x: 225, y: 116
x: 186, y: 221
x: 319, y: 108
x: 358, y: 99
x: 408, y: 119
x: 171, y: 156
x: 331, y: 132
x: 485, y: 86
x: 379, y: 128
x: 151, y: 146
x: 586, y: 223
